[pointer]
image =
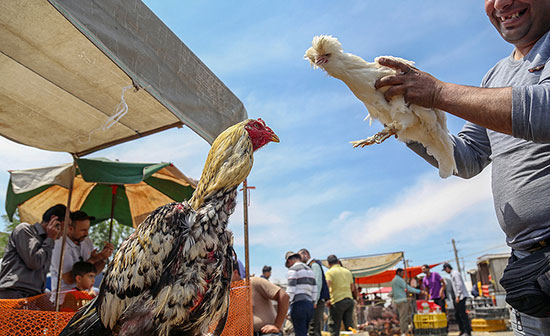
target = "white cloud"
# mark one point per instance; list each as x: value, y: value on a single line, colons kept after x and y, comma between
x: 418, y: 210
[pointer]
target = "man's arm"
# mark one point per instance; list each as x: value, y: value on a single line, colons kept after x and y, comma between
x: 520, y: 111
x: 35, y: 254
x: 490, y: 108
x: 283, y: 300
x: 318, y: 280
x: 443, y: 288
x: 100, y: 259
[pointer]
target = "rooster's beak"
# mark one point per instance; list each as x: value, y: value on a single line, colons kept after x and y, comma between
x: 274, y: 138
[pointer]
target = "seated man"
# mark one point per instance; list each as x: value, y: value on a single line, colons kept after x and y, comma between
x: 78, y: 247
x: 84, y: 275
x: 28, y: 255
x: 266, y: 321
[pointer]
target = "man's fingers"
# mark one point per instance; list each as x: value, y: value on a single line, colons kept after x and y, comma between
x: 388, y: 80
x: 397, y: 90
x: 394, y: 64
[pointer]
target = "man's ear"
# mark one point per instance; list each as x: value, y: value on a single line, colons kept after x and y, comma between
x: 78, y: 278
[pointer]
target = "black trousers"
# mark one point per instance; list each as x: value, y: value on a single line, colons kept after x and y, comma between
x: 462, y: 317
x: 317, y: 320
x: 440, y: 303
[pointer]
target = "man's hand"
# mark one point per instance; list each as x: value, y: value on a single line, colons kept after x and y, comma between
x: 269, y: 329
x: 417, y: 87
x: 106, y: 251
x: 442, y: 294
x: 457, y: 300
x: 53, y: 228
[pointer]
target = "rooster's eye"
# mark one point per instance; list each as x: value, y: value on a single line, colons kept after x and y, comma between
x: 257, y: 126
x: 327, y: 55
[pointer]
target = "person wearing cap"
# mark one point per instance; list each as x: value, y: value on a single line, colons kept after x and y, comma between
x: 28, y: 255
x: 399, y: 290
x: 266, y: 272
x: 78, y: 247
x: 302, y: 290
x: 461, y: 295
x: 342, y: 294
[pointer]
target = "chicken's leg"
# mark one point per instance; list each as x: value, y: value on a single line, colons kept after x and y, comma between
x: 378, y: 138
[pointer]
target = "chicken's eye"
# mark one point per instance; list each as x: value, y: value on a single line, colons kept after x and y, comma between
x: 327, y: 55
x: 257, y: 126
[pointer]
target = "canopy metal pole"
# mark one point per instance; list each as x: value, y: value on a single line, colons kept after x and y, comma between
x: 245, y: 213
x: 114, y: 188
x: 64, y: 239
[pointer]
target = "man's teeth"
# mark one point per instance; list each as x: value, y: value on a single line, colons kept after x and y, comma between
x: 513, y: 16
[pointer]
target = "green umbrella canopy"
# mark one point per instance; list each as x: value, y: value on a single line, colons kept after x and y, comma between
x: 138, y: 189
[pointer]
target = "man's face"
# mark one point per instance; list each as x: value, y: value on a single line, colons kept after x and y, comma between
x: 448, y: 270
x: 79, y: 230
x: 425, y: 270
x: 267, y: 274
x: 304, y: 255
x: 519, y: 22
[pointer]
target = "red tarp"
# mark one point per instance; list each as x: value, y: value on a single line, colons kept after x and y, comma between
x: 387, y: 276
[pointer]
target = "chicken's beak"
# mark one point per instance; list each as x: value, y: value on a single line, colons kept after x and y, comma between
x: 274, y: 137
x: 320, y: 60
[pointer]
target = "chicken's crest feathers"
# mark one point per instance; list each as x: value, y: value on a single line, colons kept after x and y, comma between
x: 322, y: 45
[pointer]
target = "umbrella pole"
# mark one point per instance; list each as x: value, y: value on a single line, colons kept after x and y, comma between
x: 113, y: 201
x: 64, y: 239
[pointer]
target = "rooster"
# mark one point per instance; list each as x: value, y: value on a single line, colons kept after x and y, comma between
x: 406, y: 122
x: 172, y: 275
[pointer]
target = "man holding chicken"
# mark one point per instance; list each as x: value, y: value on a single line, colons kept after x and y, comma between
x: 508, y: 125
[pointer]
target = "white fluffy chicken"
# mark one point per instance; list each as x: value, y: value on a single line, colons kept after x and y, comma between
x: 406, y: 122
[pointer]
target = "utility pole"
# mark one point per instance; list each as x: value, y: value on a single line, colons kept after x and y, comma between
x: 456, y: 256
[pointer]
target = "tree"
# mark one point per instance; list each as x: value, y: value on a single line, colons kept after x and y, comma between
x: 8, y: 228
x: 99, y: 233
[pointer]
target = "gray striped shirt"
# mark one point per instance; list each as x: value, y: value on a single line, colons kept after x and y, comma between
x: 301, y: 283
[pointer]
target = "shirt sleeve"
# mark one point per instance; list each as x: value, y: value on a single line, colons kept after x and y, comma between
x: 318, y: 280
x: 530, y: 114
x: 472, y: 150
x: 413, y: 290
x: 34, y: 253
x: 292, y: 279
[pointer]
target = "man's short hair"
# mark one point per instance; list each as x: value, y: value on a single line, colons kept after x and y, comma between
x: 427, y: 266
x: 304, y: 251
x: 399, y: 270
x: 57, y: 210
x: 266, y: 269
x: 82, y: 268
x: 332, y: 259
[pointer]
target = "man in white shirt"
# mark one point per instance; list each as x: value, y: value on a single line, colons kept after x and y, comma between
x: 461, y: 294
x: 78, y: 247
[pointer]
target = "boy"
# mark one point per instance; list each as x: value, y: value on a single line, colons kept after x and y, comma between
x: 84, y: 275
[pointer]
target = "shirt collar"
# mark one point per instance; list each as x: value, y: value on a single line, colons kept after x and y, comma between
x: 39, y: 229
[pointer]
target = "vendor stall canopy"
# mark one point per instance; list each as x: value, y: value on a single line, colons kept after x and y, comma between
x: 363, y: 266
x: 65, y: 64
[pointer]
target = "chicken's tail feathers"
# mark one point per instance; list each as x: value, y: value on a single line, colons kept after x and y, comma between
x: 86, y: 322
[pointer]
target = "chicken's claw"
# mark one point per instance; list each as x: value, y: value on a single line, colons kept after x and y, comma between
x: 377, y: 138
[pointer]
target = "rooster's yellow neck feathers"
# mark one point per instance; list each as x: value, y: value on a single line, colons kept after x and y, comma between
x: 228, y: 163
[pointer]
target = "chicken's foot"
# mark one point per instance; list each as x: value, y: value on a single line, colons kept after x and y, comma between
x: 378, y: 138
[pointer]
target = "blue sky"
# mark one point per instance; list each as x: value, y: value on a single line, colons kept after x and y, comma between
x: 313, y: 189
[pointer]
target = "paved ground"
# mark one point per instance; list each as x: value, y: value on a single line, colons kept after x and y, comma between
x: 495, y: 333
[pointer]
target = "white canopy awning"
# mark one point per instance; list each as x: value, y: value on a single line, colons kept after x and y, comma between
x: 370, y: 264
x: 64, y: 64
